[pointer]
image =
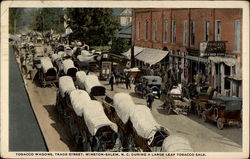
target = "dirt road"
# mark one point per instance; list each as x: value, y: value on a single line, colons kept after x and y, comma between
x: 204, y: 137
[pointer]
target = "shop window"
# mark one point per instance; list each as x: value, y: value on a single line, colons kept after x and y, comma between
x: 146, y: 30
x: 217, y: 30
x: 127, y: 20
x: 237, y: 32
x: 233, y: 70
x: 155, y: 31
x: 227, y: 73
x: 192, y: 32
x: 173, y: 32
x: 138, y: 31
x: 206, y: 31
x: 165, y: 31
x: 185, y: 32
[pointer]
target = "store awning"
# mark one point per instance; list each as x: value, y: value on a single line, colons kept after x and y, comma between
x: 151, y: 56
x: 227, y: 60
x: 137, y: 50
x: 14, y: 38
x: 197, y: 59
x: 236, y: 77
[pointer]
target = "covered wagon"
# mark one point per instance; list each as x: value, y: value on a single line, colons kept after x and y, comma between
x: 66, y: 85
x: 68, y: 68
x: 148, y: 134
x: 93, y: 86
x: 137, y: 127
x: 175, y: 143
x: 80, y: 77
x: 89, y: 125
x: 47, y: 73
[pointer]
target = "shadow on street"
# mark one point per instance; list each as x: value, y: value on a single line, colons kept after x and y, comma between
x: 61, y: 128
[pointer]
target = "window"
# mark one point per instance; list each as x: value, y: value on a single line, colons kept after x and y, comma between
x: 146, y: 30
x: 165, y: 31
x: 155, y: 31
x: 138, y: 31
x: 127, y: 20
x: 173, y: 32
x: 233, y: 70
x: 206, y: 31
x: 217, y: 30
x: 237, y: 32
x: 192, y: 32
x: 185, y: 32
x: 227, y: 72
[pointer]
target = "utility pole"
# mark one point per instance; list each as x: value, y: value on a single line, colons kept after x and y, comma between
x: 132, y: 57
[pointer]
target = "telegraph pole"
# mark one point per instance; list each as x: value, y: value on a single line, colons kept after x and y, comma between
x: 132, y: 57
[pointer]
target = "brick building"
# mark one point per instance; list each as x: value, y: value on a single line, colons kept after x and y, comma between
x: 198, y: 41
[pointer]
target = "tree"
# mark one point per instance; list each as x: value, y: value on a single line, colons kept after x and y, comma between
x: 94, y: 26
x: 46, y: 19
x: 19, y: 19
x: 120, y: 45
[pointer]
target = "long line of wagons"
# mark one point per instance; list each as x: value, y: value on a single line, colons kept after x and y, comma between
x: 96, y: 121
x: 100, y: 123
x: 64, y: 61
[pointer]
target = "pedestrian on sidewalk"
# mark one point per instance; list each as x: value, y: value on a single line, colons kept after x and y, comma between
x: 23, y: 61
x: 150, y: 99
x: 111, y: 82
x: 127, y: 82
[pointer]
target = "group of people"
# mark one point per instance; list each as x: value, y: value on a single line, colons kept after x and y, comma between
x: 112, y: 81
x: 149, y: 96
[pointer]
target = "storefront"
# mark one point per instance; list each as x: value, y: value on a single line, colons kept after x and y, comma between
x: 197, y: 65
x: 226, y: 75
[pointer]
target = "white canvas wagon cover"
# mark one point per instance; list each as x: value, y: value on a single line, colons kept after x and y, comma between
x: 54, y: 57
x: 84, y: 58
x: 175, y: 143
x: 144, y: 122
x: 61, y: 54
x: 96, y: 118
x: 67, y: 64
x: 46, y: 64
x: 66, y: 84
x: 79, y: 98
x: 124, y: 106
x: 80, y: 78
x: 90, y: 82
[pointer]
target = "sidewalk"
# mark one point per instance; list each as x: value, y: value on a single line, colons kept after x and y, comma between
x: 24, y: 131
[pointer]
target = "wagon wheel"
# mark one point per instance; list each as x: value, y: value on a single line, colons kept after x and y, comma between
x: 135, y: 89
x: 86, y: 146
x: 203, y: 116
x: 220, y: 124
x: 43, y: 82
x: 198, y: 111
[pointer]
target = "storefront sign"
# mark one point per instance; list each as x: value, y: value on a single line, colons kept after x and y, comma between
x: 212, y: 48
x: 216, y: 47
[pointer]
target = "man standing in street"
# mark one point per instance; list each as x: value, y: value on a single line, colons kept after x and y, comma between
x: 150, y: 99
x: 127, y: 81
x: 111, y: 82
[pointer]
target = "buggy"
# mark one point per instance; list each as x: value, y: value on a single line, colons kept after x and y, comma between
x: 174, y: 102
